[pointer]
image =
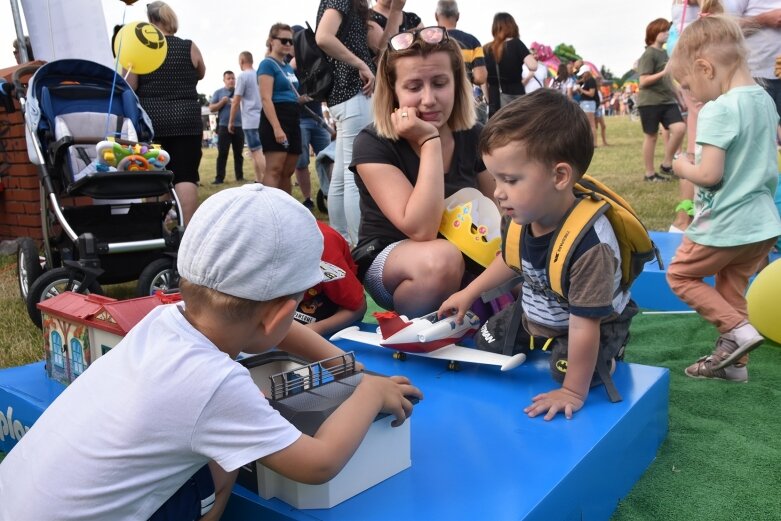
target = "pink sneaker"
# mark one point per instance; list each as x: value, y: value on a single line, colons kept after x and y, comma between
x: 736, y: 343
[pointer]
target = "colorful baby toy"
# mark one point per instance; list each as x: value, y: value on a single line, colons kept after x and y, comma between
x: 136, y: 157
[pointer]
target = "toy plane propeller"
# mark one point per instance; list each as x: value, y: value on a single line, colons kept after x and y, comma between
x: 430, y: 337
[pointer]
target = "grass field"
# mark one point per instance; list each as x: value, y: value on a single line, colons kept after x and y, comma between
x: 721, y: 458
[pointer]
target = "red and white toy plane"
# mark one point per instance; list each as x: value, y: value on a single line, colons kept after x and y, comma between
x: 429, y: 336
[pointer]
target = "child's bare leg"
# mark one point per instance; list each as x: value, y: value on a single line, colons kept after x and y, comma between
x: 649, y: 145
x: 685, y: 192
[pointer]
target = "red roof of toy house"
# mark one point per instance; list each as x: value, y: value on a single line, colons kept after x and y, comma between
x: 105, y: 313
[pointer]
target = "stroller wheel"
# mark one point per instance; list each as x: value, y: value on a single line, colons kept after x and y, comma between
x: 53, y: 282
x: 28, y: 265
x: 160, y: 274
x: 321, y: 201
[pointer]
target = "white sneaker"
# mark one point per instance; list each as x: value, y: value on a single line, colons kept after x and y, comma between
x: 740, y: 341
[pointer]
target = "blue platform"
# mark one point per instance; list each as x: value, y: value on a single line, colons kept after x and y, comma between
x: 651, y: 290
x: 475, y: 455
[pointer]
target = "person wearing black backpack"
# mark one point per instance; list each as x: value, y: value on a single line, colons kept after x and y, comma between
x: 343, y: 28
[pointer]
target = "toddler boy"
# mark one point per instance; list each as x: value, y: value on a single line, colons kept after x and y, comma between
x: 537, y: 148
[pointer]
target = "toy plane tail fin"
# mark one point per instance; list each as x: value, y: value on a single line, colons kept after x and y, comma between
x: 390, y: 323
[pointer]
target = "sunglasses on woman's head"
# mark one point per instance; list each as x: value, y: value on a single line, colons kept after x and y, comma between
x: 284, y: 41
x: 404, y: 40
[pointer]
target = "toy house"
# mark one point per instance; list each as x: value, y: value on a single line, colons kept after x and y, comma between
x: 306, y: 395
x: 78, y: 329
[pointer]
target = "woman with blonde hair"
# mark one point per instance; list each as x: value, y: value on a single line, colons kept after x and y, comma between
x: 421, y: 149
x: 170, y: 98
x: 280, y: 130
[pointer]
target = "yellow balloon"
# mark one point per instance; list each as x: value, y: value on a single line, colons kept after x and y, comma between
x: 764, y: 298
x: 141, y: 47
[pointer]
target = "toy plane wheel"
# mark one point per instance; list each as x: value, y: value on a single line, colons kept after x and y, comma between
x: 398, y: 355
x: 453, y: 366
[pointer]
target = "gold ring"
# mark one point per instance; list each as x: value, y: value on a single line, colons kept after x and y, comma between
x: 403, y: 114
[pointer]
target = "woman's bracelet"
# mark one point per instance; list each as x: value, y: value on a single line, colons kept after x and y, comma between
x: 427, y: 140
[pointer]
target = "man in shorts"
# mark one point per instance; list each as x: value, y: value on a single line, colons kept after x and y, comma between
x: 247, y: 99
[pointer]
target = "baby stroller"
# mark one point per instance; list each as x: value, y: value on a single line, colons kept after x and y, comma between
x: 101, y: 224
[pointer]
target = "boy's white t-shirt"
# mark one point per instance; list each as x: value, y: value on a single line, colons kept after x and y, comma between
x: 123, y: 437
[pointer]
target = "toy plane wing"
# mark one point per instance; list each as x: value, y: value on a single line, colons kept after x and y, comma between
x: 450, y: 352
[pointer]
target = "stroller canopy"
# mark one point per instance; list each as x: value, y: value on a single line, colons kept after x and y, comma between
x: 67, y: 86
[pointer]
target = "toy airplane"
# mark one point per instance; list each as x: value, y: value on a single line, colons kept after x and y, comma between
x: 431, y: 337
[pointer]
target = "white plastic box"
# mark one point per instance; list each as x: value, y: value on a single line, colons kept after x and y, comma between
x: 384, y: 452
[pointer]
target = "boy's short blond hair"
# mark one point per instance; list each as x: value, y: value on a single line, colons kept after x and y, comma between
x: 716, y: 38
x: 551, y: 127
x: 202, y: 300
x: 463, y: 115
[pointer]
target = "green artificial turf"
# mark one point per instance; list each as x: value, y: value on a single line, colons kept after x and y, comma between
x: 722, y: 456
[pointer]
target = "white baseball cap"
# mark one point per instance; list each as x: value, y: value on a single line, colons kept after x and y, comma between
x: 583, y: 70
x: 253, y: 242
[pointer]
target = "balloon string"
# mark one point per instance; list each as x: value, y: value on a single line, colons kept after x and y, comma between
x: 114, y: 78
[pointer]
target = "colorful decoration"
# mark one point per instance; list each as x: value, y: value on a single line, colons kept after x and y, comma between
x: 136, y: 157
x: 140, y: 47
x: 472, y: 223
x: 763, y: 298
x: 544, y: 52
x: 566, y: 53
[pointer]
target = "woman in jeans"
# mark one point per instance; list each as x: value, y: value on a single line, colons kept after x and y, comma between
x: 346, y: 35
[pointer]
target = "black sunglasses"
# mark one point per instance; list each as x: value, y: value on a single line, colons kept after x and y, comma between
x: 284, y: 41
x: 404, y: 40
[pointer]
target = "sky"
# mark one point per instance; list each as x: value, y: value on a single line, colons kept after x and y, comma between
x: 607, y: 32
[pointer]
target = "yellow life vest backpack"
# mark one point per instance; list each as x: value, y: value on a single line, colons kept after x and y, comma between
x: 594, y: 200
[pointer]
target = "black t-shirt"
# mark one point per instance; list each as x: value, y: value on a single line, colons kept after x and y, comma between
x: 353, y: 34
x: 589, y: 84
x: 371, y: 148
x: 510, y: 70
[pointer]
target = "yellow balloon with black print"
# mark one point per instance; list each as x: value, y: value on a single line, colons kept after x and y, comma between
x: 140, y: 47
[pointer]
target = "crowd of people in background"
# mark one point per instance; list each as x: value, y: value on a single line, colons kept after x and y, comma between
x: 383, y: 216
x: 502, y: 69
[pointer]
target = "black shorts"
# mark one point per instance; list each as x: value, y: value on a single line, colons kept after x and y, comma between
x: 289, y: 116
x: 193, y: 500
x: 652, y: 115
x: 185, y: 152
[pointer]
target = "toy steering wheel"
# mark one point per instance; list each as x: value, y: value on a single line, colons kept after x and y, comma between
x: 133, y: 162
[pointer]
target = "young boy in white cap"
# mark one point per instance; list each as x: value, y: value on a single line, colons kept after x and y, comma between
x: 170, y: 399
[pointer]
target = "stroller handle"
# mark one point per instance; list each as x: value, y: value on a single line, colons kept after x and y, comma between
x: 16, y: 77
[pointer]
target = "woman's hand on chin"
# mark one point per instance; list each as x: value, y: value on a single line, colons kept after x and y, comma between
x: 410, y: 127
